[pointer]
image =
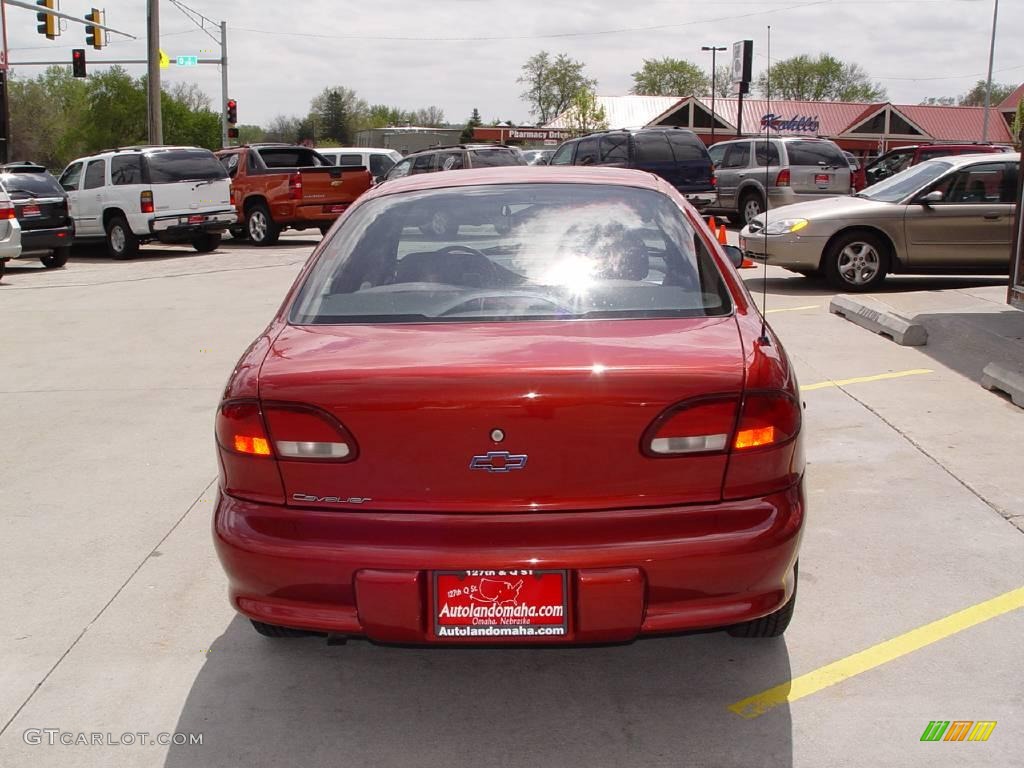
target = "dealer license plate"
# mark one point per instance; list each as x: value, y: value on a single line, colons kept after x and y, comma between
x: 500, y: 603
x: 335, y: 208
x: 31, y: 210
x: 196, y: 219
x: 822, y: 179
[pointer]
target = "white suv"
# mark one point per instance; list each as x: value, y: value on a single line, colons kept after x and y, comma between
x: 133, y: 195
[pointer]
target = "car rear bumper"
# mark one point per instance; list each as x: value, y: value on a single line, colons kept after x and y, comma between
x: 178, y: 228
x: 320, y: 213
x: 10, y: 239
x: 630, y: 572
x: 46, y: 239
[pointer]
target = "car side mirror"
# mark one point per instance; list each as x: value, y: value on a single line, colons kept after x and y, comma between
x: 735, y: 255
x: 935, y: 196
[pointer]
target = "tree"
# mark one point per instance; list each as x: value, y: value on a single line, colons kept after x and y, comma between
x: 473, y: 122
x: 976, y: 96
x: 723, y: 80
x: 336, y: 114
x: 670, y: 77
x: 190, y: 95
x: 551, y: 84
x: 585, y: 114
x: 825, y: 78
x: 431, y: 117
x: 250, y: 134
x: 1018, y: 123
x: 283, y: 128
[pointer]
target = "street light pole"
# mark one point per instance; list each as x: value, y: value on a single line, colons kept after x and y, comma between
x: 988, y: 84
x: 714, y: 71
x: 156, y: 127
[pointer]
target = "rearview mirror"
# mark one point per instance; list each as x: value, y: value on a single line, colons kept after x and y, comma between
x: 735, y: 255
x: 935, y: 196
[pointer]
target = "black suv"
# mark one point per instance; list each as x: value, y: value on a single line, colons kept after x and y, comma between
x: 675, y: 154
x: 455, y: 158
x: 41, y: 206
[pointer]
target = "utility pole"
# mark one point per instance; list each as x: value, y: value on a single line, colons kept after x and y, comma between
x: 224, y: 84
x: 155, y: 119
x: 5, y: 111
x: 988, y: 84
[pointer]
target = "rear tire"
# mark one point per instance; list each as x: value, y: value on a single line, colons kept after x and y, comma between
x: 3, y: 266
x: 774, y: 624
x: 857, y: 262
x: 751, y: 206
x: 272, y: 630
x: 238, y: 233
x: 57, y: 258
x: 121, y: 241
x: 206, y: 242
x: 260, y: 226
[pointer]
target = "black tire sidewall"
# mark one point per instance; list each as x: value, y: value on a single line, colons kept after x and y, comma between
x: 269, y: 235
x: 831, y: 266
x: 131, y: 244
x: 742, y: 213
x: 206, y: 242
x: 58, y: 258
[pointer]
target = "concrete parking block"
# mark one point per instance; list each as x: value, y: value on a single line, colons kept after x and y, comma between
x: 874, y: 316
x: 997, y: 377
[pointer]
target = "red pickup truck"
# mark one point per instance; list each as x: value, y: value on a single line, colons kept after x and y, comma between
x: 279, y: 186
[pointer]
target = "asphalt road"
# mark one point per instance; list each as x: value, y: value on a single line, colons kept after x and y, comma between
x: 114, y: 620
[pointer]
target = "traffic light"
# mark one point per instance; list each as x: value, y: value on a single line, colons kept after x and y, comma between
x: 232, y: 111
x: 78, y: 62
x: 232, y: 133
x: 94, y: 36
x: 47, y: 22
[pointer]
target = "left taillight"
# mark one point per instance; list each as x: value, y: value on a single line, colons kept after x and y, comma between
x: 765, y: 456
x: 246, y: 456
x: 295, y: 186
x: 7, y: 210
x: 308, y: 434
x: 146, y: 201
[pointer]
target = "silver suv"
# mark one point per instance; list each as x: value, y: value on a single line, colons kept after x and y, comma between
x: 791, y: 169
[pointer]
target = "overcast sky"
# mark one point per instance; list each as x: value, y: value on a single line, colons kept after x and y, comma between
x: 281, y: 54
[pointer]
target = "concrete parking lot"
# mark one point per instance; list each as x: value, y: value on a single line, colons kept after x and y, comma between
x: 114, y: 619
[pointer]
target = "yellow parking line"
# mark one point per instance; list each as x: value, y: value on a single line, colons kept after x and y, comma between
x: 862, y: 379
x: 876, y: 655
x: 792, y: 309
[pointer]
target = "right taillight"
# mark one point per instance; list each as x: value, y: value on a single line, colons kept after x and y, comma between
x: 765, y: 456
x: 295, y: 186
x: 782, y: 180
x: 146, y: 201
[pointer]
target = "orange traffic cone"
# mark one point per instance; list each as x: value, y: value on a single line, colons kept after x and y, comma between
x: 722, y: 238
x: 748, y: 264
x: 712, y: 224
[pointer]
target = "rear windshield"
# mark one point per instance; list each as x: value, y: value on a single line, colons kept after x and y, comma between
x: 31, y: 185
x: 513, y: 252
x: 814, y: 153
x: 902, y: 185
x: 183, y: 165
x: 490, y: 158
x: 292, y: 157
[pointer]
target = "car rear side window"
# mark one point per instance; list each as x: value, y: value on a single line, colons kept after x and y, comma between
x: 766, y: 153
x: 95, y: 174
x: 493, y: 158
x: 562, y: 252
x: 615, y: 148
x: 423, y: 164
x: 450, y: 161
x: 172, y: 166
x: 813, y: 153
x: 350, y: 160
x: 686, y: 148
x: 652, y: 147
x: 31, y: 185
x: 126, y: 169
x: 587, y: 153
x: 380, y: 164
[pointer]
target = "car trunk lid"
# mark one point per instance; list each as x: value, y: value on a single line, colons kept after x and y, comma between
x: 571, y: 400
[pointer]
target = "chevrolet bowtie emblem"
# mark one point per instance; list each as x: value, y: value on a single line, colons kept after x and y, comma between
x: 499, y: 461
x: 337, y: 183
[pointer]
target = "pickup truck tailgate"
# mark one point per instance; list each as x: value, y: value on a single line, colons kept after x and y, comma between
x: 333, y: 188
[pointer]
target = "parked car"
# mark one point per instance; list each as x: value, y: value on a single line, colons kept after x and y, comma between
x: 378, y: 161
x: 857, y: 178
x: 280, y: 186
x: 900, y: 159
x: 41, y: 208
x: 788, y: 169
x: 134, y: 195
x: 10, y: 232
x: 537, y: 156
x: 582, y: 426
x: 949, y: 215
x: 674, y: 154
x: 445, y: 222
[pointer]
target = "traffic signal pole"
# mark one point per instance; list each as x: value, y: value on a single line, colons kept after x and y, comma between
x: 5, y: 110
x: 154, y: 117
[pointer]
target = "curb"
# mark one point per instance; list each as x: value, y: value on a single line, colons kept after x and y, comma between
x: 877, y: 318
x: 994, y: 376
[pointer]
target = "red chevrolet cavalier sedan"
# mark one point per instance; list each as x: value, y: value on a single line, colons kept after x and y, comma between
x: 562, y: 422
